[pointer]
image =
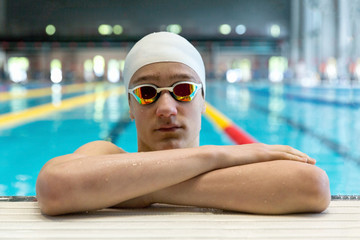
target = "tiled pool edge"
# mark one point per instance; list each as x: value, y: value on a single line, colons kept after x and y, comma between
x: 18, y: 199
x: 345, y: 197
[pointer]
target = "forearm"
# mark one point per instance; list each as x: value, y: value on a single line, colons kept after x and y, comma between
x: 95, y: 182
x: 88, y: 179
x: 276, y: 187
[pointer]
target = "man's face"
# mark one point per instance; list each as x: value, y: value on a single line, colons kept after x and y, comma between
x: 166, y: 123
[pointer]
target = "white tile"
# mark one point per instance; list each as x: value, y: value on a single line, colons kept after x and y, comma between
x: 24, y: 220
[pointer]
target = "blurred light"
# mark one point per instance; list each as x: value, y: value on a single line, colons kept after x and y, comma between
x: 122, y: 65
x: 357, y: 69
x: 245, y: 66
x: 118, y: 29
x: 174, y: 28
x: 88, y: 70
x: 55, y: 71
x: 56, y: 75
x: 55, y: 63
x: 18, y: 67
x: 105, y: 29
x: 233, y: 75
x: 331, y: 69
x: 88, y: 65
x: 240, y: 29
x: 275, y: 30
x: 99, y: 65
x: 50, y: 29
x: 277, y: 68
x: 113, y: 73
x: 225, y: 29
x: 276, y: 76
x: 310, y: 80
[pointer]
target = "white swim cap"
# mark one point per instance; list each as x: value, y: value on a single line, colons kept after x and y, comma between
x: 163, y: 47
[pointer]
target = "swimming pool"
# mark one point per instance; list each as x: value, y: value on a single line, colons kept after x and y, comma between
x: 319, y: 121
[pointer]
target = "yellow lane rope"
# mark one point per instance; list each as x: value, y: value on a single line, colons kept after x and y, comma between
x: 217, y: 117
x: 30, y: 114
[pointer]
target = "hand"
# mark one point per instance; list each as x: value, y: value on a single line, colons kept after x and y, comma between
x: 235, y: 155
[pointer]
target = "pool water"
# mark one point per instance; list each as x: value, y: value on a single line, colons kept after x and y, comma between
x: 322, y: 122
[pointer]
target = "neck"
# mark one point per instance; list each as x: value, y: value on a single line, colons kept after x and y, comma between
x: 142, y: 147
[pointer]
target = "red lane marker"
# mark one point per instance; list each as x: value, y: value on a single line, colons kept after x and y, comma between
x: 238, y: 135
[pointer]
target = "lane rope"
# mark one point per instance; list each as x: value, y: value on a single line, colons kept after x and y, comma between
x: 234, y: 132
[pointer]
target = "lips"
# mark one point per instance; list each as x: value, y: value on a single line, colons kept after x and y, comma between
x: 168, y: 128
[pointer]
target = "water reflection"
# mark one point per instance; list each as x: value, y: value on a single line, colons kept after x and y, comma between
x: 18, y: 101
x: 237, y: 98
x: 115, y: 106
x: 56, y: 94
x: 22, y: 185
x: 100, y: 100
x: 276, y: 105
x: 3, y: 189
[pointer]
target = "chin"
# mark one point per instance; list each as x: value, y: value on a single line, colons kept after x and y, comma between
x: 166, y: 145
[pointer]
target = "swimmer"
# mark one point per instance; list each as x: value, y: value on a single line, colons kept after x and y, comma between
x: 164, y: 77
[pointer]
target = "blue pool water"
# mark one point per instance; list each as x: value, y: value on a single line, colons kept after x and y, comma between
x: 323, y: 122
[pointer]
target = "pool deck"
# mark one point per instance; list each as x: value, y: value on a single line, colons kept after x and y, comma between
x: 23, y: 220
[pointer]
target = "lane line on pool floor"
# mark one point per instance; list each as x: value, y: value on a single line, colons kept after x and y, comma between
x: 333, y: 145
x: 310, y: 99
x: 30, y: 114
x: 120, y: 126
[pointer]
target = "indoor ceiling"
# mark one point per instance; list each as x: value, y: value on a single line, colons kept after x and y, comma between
x: 199, y: 19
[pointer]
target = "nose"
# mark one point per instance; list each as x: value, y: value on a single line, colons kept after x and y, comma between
x: 166, y: 105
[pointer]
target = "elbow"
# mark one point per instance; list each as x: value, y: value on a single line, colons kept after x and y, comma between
x: 318, y: 195
x: 50, y: 192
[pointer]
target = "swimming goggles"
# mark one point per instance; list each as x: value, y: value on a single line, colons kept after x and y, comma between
x: 180, y: 91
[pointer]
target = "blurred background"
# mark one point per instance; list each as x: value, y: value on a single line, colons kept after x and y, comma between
x: 308, y: 42
x: 283, y: 71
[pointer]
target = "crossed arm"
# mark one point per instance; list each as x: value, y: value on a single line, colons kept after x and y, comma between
x: 256, y: 178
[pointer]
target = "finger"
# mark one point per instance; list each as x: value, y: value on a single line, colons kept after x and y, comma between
x: 291, y: 150
x: 289, y: 156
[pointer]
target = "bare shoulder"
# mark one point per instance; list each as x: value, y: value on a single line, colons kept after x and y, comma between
x: 98, y: 148
x: 95, y: 148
